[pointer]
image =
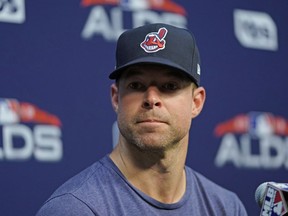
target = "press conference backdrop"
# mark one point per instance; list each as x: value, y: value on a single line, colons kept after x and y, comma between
x: 55, y: 112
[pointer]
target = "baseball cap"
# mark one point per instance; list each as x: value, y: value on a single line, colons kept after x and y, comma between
x: 161, y: 44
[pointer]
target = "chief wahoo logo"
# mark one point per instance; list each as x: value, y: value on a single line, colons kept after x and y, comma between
x: 154, y: 41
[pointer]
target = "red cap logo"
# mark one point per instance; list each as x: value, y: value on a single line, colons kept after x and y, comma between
x: 154, y: 41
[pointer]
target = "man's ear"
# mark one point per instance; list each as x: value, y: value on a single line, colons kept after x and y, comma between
x: 199, y: 96
x: 114, y: 97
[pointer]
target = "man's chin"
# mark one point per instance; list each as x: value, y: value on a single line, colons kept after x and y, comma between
x: 152, y: 145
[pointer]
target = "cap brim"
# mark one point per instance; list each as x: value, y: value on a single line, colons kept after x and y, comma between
x: 148, y: 60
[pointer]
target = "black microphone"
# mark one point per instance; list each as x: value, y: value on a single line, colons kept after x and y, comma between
x: 272, y: 198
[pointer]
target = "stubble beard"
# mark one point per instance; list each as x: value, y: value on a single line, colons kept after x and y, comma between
x: 152, y: 141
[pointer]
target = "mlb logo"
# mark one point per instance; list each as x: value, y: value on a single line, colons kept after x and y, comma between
x: 12, y: 11
x: 260, y: 124
x: 8, y: 111
x: 274, y: 202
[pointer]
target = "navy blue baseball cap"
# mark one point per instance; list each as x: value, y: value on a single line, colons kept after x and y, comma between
x: 161, y: 44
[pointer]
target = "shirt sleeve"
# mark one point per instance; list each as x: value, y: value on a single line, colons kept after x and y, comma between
x: 241, y: 211
x: 65, y: 205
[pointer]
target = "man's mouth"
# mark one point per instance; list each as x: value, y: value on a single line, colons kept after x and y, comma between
x: 151, y: 121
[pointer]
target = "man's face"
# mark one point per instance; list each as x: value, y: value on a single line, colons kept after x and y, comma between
x: 154, y: 106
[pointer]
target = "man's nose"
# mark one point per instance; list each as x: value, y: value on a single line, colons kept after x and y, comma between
x: 151, y: 98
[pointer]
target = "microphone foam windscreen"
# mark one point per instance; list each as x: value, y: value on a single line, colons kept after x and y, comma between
x: 260, y: 193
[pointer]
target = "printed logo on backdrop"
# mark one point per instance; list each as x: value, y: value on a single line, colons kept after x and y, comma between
x: 28, y: 132
x: 12, y: 11
x: 255, y: 29
x: 109, y: 18
x: 254, y: 140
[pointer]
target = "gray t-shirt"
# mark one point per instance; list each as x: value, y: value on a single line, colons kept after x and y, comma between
x: 101, y: 189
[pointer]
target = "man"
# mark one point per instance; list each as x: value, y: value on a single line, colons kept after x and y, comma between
x: 156, y: 95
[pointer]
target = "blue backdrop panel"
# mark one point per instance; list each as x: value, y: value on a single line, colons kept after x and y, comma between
x: 55, y: 112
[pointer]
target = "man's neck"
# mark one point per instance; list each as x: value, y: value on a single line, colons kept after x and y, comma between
x: 160, y: 175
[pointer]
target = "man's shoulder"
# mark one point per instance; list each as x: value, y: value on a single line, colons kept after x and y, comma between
x: 205, y: 184
x: 64, y: 204
x: 90, y: 179
x: 73, y: 195
x: 217, y: 196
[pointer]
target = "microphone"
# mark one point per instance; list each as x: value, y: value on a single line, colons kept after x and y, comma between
x: 272, y: 198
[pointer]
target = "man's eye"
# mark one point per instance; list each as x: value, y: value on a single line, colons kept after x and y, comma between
x: 135, y: 85
x: 170, y: 86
